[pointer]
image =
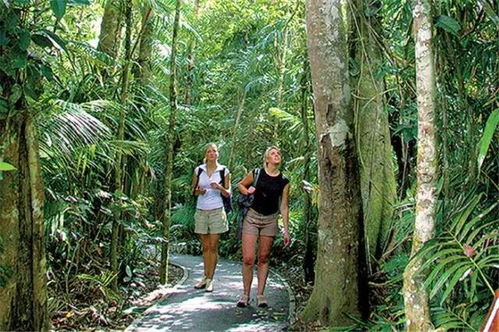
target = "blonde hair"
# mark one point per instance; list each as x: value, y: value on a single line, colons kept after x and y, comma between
x: 267, y: 153
x: 206, y: 147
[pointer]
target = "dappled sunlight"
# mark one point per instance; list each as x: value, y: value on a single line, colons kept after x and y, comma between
x: 186, y: 308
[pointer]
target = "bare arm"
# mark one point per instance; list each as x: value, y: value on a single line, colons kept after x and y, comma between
x: 245, y: 184
x: 195, y: 189
x: 285, y: 213
x: 225, y: 189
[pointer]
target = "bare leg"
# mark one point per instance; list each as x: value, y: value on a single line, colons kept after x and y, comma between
x: 204, y: 246
x: 263, y: 261
x: 249, y: 243
x: 212, y: 255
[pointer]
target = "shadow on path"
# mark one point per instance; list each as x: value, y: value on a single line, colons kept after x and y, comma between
x: 189, y: 309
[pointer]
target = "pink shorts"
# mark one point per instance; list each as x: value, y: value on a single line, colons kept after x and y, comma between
x: 259, y: 224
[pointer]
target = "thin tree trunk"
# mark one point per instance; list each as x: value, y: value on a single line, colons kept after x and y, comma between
x: 191, y: 61
x: 118, y: 171
x: 163, y: 272
x: 336, y: 291
x: 145, y: 49
x: 236, y: 127
x: 110, y: 30
x: 415, y: 295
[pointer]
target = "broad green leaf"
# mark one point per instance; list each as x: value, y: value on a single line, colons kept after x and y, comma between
x: 41, y: 40
x: 16, y: 93
x: 79, y: 2
x: 488, y: 134
x: 47, y: 72
x: 20, y: 61
x: 24, y: 40
x: 6, y: 166
x: 57, y: 41
x: 58, y: 7
x: 448, y: 24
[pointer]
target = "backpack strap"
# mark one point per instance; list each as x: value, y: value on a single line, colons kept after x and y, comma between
x: 256, y: 175
x: 222, y: 176
x: 200, y: 170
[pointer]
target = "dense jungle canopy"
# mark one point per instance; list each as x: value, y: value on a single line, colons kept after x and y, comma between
x: 386, y: 113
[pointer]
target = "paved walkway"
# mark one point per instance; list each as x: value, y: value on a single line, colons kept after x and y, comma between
x: 189, y: 309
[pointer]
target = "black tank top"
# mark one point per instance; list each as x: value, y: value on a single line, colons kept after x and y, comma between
x: 268, y: 192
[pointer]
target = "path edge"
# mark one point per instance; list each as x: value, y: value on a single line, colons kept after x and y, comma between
x: 291, y: 295
x: 185, y: 271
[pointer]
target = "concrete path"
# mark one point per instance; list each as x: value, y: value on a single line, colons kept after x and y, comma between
x: 189, y: 309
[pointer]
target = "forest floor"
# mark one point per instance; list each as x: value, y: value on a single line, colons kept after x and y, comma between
x: 92, y: 306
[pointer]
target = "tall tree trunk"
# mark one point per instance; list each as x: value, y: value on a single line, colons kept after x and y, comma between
x: 415, y: 295
x: 236, y: 127
x: 23, y: 284
x: 145, y: 49
x: 191, y: 61
x: 336, y: 291
x: 309, y: 256
x: 377, y: 177
x: 110, y: 30
x: 118, y: 171
x: 23, y: 304
x: 163, y: 272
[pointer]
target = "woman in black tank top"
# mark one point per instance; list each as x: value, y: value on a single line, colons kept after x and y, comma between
x: 271, y: 194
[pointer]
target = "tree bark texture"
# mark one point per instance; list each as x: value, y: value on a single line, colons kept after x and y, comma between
x: 374, y: 150
x: 336, y: 290
x: 415, y: 295
x: 23, y: 304
x: 110, y: 31
x: 146, y: 43
x: 308, y: 223
x: 163, y: 271
x: 191, y: 61
x: 119, y: 164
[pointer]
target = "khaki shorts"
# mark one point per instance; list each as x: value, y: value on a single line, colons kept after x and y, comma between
x: 259, y: 224
x: 211, y: 221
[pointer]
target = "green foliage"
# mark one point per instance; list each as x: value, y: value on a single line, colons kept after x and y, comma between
x: 5, y: 167
x: 488, y: 134
x: 448, y: 24
x: 102, y: 283
x: 58, y: 7
x: 5, y: 271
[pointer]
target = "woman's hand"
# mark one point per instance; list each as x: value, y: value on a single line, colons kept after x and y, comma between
x: 251, y: 190
x: 287, y: 239
x: 216, y: 185
x: 199, y: 191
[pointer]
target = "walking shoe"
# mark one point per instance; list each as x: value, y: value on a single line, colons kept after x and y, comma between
x: 261, y: 302
x: 209, y: 285
x: 201, y: 283
x: 243, y: 301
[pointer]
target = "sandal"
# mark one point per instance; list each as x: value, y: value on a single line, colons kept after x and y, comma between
x: 209, y: 285
x: 243, y: 301
x: 261, y: 302
x: 201, y: 283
